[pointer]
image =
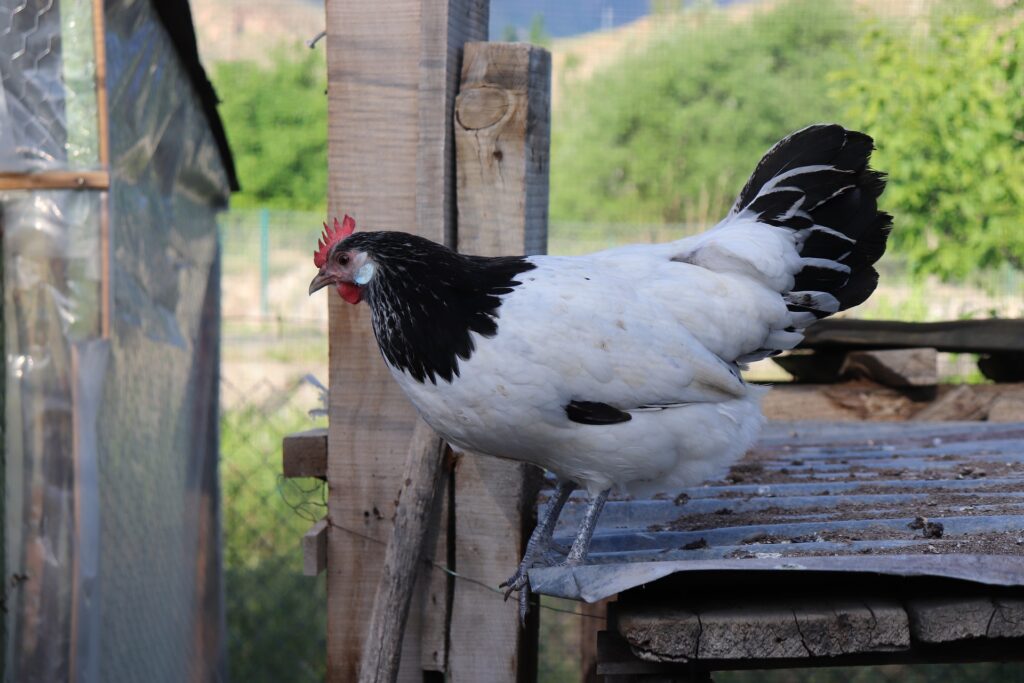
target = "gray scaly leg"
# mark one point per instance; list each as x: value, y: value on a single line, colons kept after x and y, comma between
x: 540, y: 539
x: 578, y: 552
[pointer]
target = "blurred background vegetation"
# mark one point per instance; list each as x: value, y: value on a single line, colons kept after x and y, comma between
x: 667, y: 132
x: 657, y: 121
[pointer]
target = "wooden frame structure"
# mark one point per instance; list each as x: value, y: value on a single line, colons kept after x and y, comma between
x: 405, y: 154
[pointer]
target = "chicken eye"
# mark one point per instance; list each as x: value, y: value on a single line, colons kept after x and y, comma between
x: 343, y: 259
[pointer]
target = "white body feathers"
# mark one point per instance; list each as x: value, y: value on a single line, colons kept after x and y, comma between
x: 633, y: 328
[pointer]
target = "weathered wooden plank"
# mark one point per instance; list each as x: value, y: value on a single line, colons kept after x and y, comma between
x: 502, y: 129
x: 437, y: 585
x: 502, y: 133
x: 420, y: 479
x: 304, y: 454
x: 894, y: 367
x: 55, y: 180
x: 948, y: 619
x: 390, y: 80
x: 99, y: 37
x: 314, y: 549
x: 958, y: 336
x: 773, y: 629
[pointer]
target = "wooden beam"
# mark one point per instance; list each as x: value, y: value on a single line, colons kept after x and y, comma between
x: 391, y: 86
x: 314, y: 549
x: 304, y: 454
x: 958, y: 336
x: 100, y: 56
x: 383, y: 642
x: 55, y: 180
x: 948, y: 619
x: 772, y: 629
x: 502, y: 127
x: 103, y: 133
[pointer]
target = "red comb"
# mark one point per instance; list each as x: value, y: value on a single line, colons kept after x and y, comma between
x: 331, y: 237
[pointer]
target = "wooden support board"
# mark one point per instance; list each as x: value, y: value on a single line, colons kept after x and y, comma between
x: 958, y: 336
x: 770, y: 629
x: 420, y: 484
x: 304, y: 454
x: 780, y: 632
x: 55, y: 180
x: 502, y: 127
x: 391, y: 85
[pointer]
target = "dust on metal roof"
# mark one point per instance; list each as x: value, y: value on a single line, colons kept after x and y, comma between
x: 927, y: 499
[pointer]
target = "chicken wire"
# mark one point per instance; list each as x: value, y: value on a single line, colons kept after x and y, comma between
x: 112, y: 505
x: 48, y: 74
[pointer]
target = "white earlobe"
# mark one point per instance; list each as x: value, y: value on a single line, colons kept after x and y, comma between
x: 365, y: 273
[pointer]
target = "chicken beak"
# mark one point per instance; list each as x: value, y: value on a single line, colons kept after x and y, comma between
x: 322, y: 279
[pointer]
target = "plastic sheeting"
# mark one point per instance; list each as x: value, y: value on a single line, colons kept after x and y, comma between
x: 55, y: 365
x: 112, y: 522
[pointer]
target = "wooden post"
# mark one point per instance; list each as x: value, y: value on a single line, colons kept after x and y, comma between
x: 391, y: 86
x: 594, y: 621
x: 502, y: 140
x: 314, y: 549
x: 423, y: 469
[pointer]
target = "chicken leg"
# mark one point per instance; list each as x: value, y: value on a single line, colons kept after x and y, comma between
x: 580, y: 547
x: 540, y: 539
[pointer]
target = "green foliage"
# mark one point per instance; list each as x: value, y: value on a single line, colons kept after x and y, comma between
x: 276, y: 616
x: 276, y: 121
x: 670, y: 134
x: 538, y: 33
x: 947, y: 111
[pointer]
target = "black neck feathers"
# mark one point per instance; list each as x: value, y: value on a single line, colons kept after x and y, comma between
x: 425, y: 300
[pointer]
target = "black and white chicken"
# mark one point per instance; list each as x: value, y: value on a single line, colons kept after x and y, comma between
x: 621, y: 368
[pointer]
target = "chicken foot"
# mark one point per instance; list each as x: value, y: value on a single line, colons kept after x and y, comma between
x: 540, y: 539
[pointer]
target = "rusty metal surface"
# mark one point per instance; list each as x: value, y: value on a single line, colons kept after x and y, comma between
x: 833, y: 497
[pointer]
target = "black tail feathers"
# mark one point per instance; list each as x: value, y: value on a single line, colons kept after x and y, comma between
x: 817, y: 182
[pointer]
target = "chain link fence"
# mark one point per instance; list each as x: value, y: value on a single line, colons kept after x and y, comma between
x: 274, y: 335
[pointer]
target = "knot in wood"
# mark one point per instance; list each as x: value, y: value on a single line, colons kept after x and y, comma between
x: 481, y: 107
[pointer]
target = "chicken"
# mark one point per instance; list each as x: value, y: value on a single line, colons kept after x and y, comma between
x: 621, y: 369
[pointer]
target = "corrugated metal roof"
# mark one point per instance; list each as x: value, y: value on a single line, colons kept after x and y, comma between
x: 839, y: 497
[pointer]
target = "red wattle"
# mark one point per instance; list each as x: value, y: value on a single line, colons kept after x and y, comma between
x: 350, y: 292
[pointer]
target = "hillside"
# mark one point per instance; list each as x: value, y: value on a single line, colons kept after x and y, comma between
x: 251, y: 29
x: 577, y: 57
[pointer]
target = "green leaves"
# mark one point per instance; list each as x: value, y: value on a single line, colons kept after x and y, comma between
x: 670, y: 133
x: 947, y: 110
x: 276, y: 121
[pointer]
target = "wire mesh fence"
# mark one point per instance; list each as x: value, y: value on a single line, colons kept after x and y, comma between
x: 276, y: 616
x: 274, y: 335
